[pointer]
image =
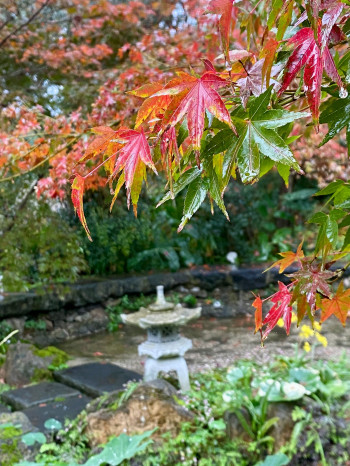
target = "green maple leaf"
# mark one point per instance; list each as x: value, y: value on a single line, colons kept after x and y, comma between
x: 259, y: 146
x: 337, y: 116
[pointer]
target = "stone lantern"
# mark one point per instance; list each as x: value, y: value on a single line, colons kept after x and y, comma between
x: 164, y: 347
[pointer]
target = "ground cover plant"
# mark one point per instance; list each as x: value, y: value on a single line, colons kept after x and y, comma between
x: 239, y: 419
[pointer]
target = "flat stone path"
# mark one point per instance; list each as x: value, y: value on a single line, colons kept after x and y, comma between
x: 96, y: 378
x: 66, y: 398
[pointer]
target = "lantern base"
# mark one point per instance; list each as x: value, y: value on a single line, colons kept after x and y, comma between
x: 179, y: 365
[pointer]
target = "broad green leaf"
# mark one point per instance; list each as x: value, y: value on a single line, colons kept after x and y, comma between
x: 279, y: 459
x: 275, y: 10
x: 345, y: 222
x: 33, y: 437
x: 184, y: 180
x: 276, y: 118
x: 195, y: 196
x: 53, y: 424
x: 259, y: 105
x: 120, y: 448
x: 337, y: 214
x: 220, y: 142
x: 272, y: 145
x: 336, y: 115
x: 258, y: 141
x: 318, y: 217
x: 330, y: 189
x: 284, y: 171
x: 248, y: 158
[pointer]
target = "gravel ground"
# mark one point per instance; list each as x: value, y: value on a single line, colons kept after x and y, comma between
x: 216, y: 343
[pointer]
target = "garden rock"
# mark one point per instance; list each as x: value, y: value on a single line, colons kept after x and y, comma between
x: 283, y: 429
x: 151, y: 405
x: 12, y: 449
x: 17, y: 419
x: 234, y: 428
x: 22, y: 363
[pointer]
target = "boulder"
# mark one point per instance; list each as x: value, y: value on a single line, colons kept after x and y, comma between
x: 151, y: 405
x: 12, y: 449
x: 22, y: 364
x: 281, y: 431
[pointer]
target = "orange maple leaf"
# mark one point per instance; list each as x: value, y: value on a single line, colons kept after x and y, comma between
x: 258, y: 313
x: 152, y: 107
x: 289, y: 258
x: 77, y: 199
x: 339, y: 305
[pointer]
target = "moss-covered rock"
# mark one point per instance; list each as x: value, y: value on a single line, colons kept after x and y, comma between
x: 26, y: 364
x: 59, y: 357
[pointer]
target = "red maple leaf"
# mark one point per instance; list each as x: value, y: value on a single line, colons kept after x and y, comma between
x: 281, y: 309
x: 310, y: 54
x: 227, y: 13
x: 339, y: 305
x: 132, y: 159
x: 312, y: 279
x: 192, y: 97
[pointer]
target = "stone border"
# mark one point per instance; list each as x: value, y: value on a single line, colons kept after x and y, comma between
x: 83, y: 294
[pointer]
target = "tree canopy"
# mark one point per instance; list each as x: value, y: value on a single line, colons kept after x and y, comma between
x: 108, y: 92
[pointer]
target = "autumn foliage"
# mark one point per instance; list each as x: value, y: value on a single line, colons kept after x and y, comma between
x: 223, y: 91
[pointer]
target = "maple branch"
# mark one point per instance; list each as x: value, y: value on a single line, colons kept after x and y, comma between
x: 70, y: 143
x: 23, y: 25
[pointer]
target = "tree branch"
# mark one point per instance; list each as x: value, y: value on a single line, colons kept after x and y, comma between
x: 23, y: 25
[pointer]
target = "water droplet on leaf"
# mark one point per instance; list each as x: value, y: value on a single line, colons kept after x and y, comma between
x: 343, y: 93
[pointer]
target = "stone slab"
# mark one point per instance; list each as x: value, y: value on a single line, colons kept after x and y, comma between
x: 96, y: 378
x: 45, y: 392
x: 4, y: 408
x: 59, y: 410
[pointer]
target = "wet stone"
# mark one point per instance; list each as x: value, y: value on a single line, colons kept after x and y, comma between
x: 45, y: 392
x: 96, y: 378
x: 4, y: 409
x: 59, y: 410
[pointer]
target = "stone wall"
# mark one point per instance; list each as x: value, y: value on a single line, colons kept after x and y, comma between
x: 91, y: 293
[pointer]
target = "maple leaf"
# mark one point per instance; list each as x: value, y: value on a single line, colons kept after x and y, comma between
x: 77, y: 200
x: 339, y: 305
x: 227, y: 13
x: 258, y: 313
x: 281, y: 309
x: 235, y: 55
x: 192, y: 97
x: 152, y: 107
x: 132, y: 159
x: 307, y: 53
x: 268, y: 53
x: 103, y: 143
x: 259, y: 142
x: 253, y: 82
x: 312, y: 279
x: 289, y: 257
x: 337, y: 115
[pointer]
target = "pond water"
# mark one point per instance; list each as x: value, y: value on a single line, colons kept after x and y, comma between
x: 216, y: 343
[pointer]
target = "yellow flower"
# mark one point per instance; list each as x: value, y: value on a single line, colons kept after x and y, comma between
x: 317, y: 326
x: 322, y: 339
x: 307, y: 346
x: 280, y: 323
x: 306, y: 332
